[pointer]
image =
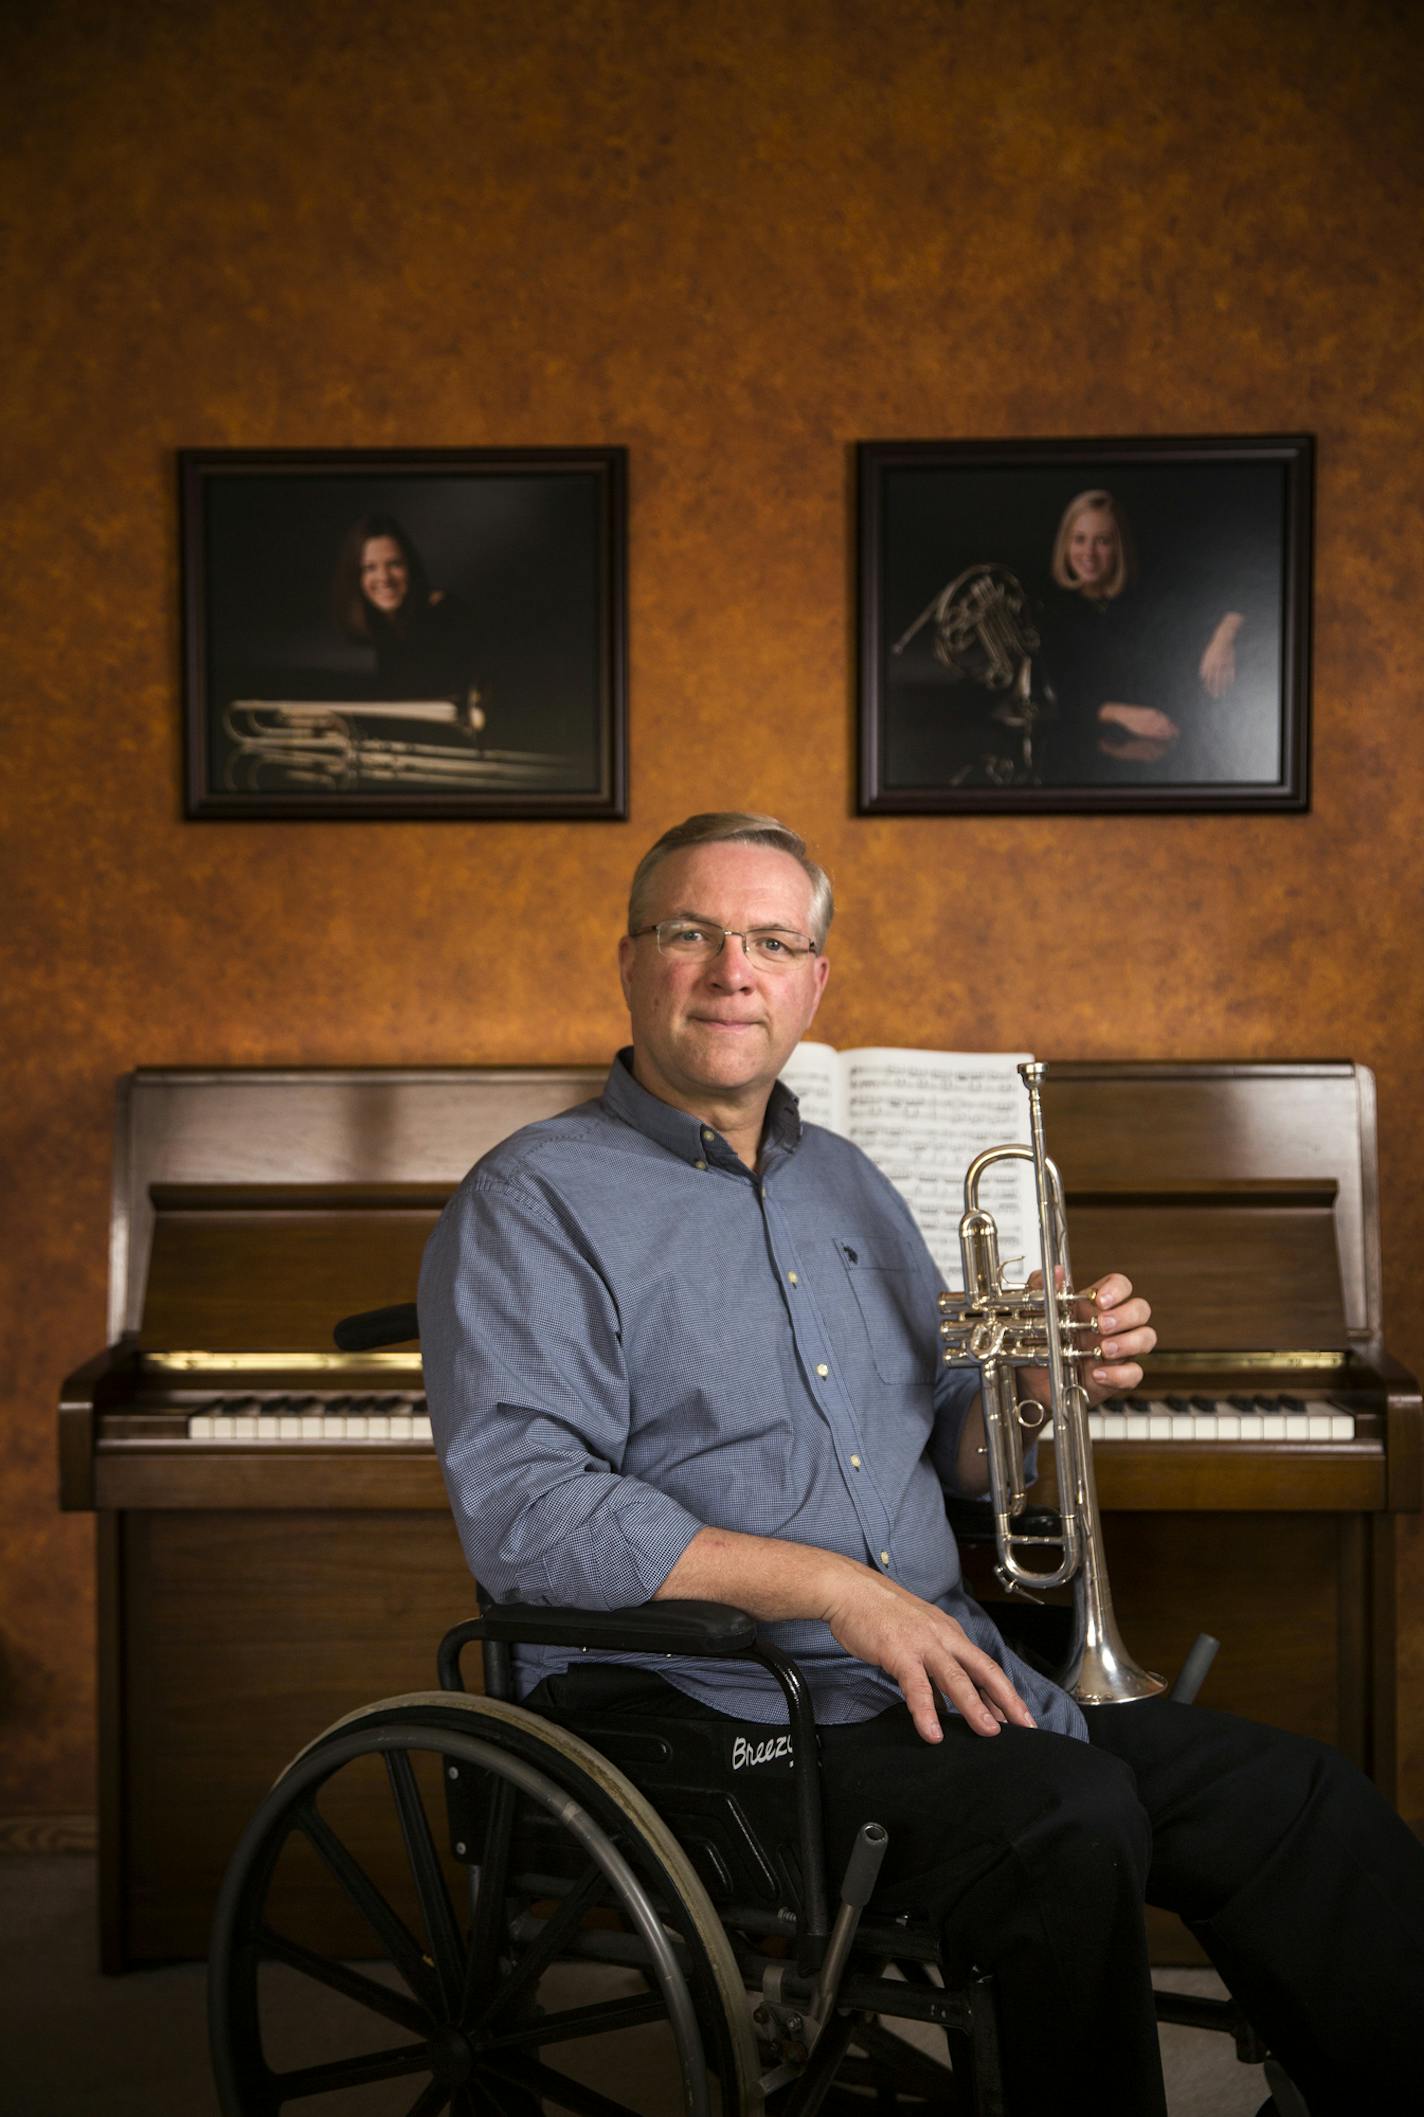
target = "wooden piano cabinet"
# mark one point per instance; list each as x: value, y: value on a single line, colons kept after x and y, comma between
x: 1405, y: 1578
x: 251, y: 1595
x: 234, y: 1639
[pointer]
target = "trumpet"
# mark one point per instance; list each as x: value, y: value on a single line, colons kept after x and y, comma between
x: 1001, y: 1329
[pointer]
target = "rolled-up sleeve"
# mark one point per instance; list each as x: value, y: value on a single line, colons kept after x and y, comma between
x: 530, y: 1405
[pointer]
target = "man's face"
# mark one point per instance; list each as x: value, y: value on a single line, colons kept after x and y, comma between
x: 721, y: 1030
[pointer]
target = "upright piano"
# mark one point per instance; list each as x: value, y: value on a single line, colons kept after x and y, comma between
x: 274, y: 1542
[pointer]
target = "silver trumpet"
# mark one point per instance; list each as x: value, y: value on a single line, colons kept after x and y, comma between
x: 1000, y: 1329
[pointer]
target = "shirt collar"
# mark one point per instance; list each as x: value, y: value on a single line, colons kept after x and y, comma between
x: 685, y: 1135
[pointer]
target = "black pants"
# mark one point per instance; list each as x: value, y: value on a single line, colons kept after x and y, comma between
x: 1036, y: 1854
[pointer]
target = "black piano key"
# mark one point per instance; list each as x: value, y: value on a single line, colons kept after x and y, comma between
x: 1267, y: 1404
x: 1242, y: 1403
x: 1178, y: 1403
x: 1292, y: 1404
x: 1204, y: 1404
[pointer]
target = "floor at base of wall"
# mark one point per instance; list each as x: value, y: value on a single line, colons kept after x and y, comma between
x: 77, y: 2044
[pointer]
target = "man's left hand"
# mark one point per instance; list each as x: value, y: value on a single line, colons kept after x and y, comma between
x: 1124, y: 1332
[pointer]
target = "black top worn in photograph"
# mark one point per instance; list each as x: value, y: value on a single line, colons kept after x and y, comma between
x: 1115, y: 624
x: 372, y: 635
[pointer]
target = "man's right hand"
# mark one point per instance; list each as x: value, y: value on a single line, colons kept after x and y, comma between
x: 927, y: 1653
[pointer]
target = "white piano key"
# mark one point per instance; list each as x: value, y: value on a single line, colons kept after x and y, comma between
x: 1318, y: 1425
x: 1342, y: 1426
x: 222, y: 1427
x: 421, y: 1427
x: 358, y: 1426
x: 1205, y: 1426
x: 200, y: 1426
x: 312, y: 1425
x: 245, y: 1425
x: 1183, y: 1425
x: 400, y: 1425
x: 1095, y: 1425
x: 1139, y: 1426
x: 1273, y: 1425
x: 1253, y: 1426
x: 378, y: 1426
x: 1298, y: 1426
x: 1228, y: 1425
x: 334, y: 1426
x: 1159, y: 1424
x: 289, y: 1426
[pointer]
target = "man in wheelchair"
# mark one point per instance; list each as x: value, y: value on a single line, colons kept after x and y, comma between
x: 679, y: 1345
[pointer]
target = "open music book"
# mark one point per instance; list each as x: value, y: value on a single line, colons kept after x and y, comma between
x: 922, y: 1116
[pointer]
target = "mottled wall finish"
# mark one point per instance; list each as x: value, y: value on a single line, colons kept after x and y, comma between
x: 735, y: 237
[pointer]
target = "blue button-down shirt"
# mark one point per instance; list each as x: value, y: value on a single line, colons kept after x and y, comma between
x: 628, y: 1334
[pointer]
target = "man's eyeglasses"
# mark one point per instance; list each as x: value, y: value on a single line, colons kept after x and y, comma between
x: 698, y: 940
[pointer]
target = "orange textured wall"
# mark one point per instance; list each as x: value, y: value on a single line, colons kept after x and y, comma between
x: 735, y: 237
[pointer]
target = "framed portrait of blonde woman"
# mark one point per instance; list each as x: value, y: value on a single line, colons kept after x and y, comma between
x: 1088, y: 625
x: 405, y: 634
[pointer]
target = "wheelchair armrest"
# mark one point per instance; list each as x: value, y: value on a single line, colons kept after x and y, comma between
x: 705, y: 1628
x: 700, y: 1628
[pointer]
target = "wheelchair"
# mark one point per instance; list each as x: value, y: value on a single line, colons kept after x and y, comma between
x: 558, y: 1909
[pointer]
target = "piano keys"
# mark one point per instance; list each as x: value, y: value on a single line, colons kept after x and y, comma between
x: 277, y: 1421
x: 1213, y: 1420
x: 275, y: 1546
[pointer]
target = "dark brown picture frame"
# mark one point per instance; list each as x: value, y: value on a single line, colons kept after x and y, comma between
x: 996, y: 676
x: 397, y: 633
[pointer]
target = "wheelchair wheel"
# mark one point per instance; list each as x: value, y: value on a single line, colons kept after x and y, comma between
x: 447, y: 1903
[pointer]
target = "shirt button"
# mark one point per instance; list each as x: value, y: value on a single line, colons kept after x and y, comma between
x: 855, y: 1462
x: 699, y: 1165
x: 793, y: 1278
x: 709, y: 1136
x: 885, y: 1558
x: 823, y: 1370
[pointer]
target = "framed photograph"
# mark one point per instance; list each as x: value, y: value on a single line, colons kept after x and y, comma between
x: 390, y: 633
x: 1092, y: 625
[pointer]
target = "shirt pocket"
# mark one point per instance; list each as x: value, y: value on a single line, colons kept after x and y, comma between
x: 888, y: 1293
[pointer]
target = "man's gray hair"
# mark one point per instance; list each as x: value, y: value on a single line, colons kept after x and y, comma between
x: 733, y: 827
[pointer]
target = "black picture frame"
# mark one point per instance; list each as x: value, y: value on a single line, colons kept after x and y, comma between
x: 484, y: 674
x: 995, y: 676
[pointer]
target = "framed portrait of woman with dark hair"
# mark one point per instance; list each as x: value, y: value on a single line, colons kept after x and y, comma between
x: 405, y: 634
x: 1085, y: 625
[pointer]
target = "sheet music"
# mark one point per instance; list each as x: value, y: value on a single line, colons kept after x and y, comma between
x: 813, y: 1074
x: 922, y: 1116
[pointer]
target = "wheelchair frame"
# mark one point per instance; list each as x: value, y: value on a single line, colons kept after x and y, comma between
x: 614, y: 1888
